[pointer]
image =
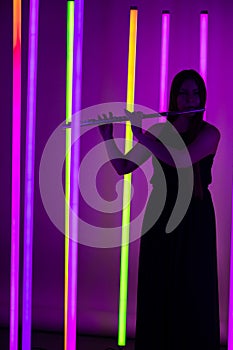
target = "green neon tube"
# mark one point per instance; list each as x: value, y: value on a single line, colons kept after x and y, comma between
x: 122, y: 318
x: 69, y: 74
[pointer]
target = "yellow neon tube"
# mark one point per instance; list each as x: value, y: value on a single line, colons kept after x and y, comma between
x: 122, y: 321
x: 69, y: 74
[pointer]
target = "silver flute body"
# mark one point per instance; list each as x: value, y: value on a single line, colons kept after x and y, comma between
x: 112, y: 119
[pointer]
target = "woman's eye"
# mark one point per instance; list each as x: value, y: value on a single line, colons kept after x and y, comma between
x: 183, y: 93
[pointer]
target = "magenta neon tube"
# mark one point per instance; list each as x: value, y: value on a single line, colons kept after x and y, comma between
x: 74, y: 200
x: 230, y: 314
x: 203, y: 46
x: 164, y: 60
x: 15, y: 194
x: 29, y: 175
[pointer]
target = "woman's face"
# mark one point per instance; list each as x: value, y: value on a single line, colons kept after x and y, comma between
x: 188, y: 96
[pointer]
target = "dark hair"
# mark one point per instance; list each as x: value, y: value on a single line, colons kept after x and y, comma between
x: 178, y: 81
x: 196, y: 121
x: 174, y: 91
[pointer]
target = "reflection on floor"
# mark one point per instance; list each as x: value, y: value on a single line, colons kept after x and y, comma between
x: 54, y: 341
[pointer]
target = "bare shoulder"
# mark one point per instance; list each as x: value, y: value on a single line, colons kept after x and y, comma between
x: 209, y: 137
x: 211, y: 130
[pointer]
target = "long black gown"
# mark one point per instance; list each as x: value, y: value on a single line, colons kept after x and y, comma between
x: 177, y: 300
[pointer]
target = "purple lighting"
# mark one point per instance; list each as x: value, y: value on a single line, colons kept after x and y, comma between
x: 74, y: 199
x: 203, y: 45
x: 15, y: 195
x: 29, y: 175
x: 230, y: 315
x: 164, y: 60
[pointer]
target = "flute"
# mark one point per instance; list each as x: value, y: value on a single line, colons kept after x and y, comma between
x: 112, y: 119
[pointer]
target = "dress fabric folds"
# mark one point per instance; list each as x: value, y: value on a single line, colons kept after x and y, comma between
x: 177, y: 299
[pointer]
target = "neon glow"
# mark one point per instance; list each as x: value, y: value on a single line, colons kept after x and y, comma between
x: 74, y: 198
x: 15, y: 195
x: 69, y: 73
x: 29, y: 174
x: 122, y: 321
x: 230, y: 315
x: 164, y: 60
x: 203, y: 46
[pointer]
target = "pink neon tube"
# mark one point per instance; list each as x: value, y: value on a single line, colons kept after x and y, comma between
x: 203, y: 43
x: 203, y: 46
x: 230, y: 315
x: 164, y: 60
x: 74, y: 200
x: 15, y: 196
x: 29, y: 175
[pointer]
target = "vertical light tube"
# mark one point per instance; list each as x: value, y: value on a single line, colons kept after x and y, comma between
x: 69, y: 74
x: 122, y: 318
x: 230, y: 314
x: 164, y: 60
x: 29, y: 174
x: 74, y: 199
x: 15, y: 195
x: 203, y: 46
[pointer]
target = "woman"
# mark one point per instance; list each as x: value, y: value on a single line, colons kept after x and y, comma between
x: 177, y: 299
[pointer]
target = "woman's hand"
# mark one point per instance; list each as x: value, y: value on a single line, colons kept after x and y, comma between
x: 136, y: 122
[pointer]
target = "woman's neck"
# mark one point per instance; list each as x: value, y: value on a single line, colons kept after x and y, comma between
x: 182, y: 124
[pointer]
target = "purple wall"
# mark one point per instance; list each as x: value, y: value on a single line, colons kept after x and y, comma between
x: 105, y: 57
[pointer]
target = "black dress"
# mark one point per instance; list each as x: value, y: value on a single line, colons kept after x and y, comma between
x: 177, y: 300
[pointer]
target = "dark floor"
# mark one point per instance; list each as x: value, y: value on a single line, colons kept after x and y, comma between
x: 54, y: 341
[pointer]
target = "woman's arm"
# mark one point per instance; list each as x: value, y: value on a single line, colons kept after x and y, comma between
x: 205, y: 143
x: 123, y: 163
